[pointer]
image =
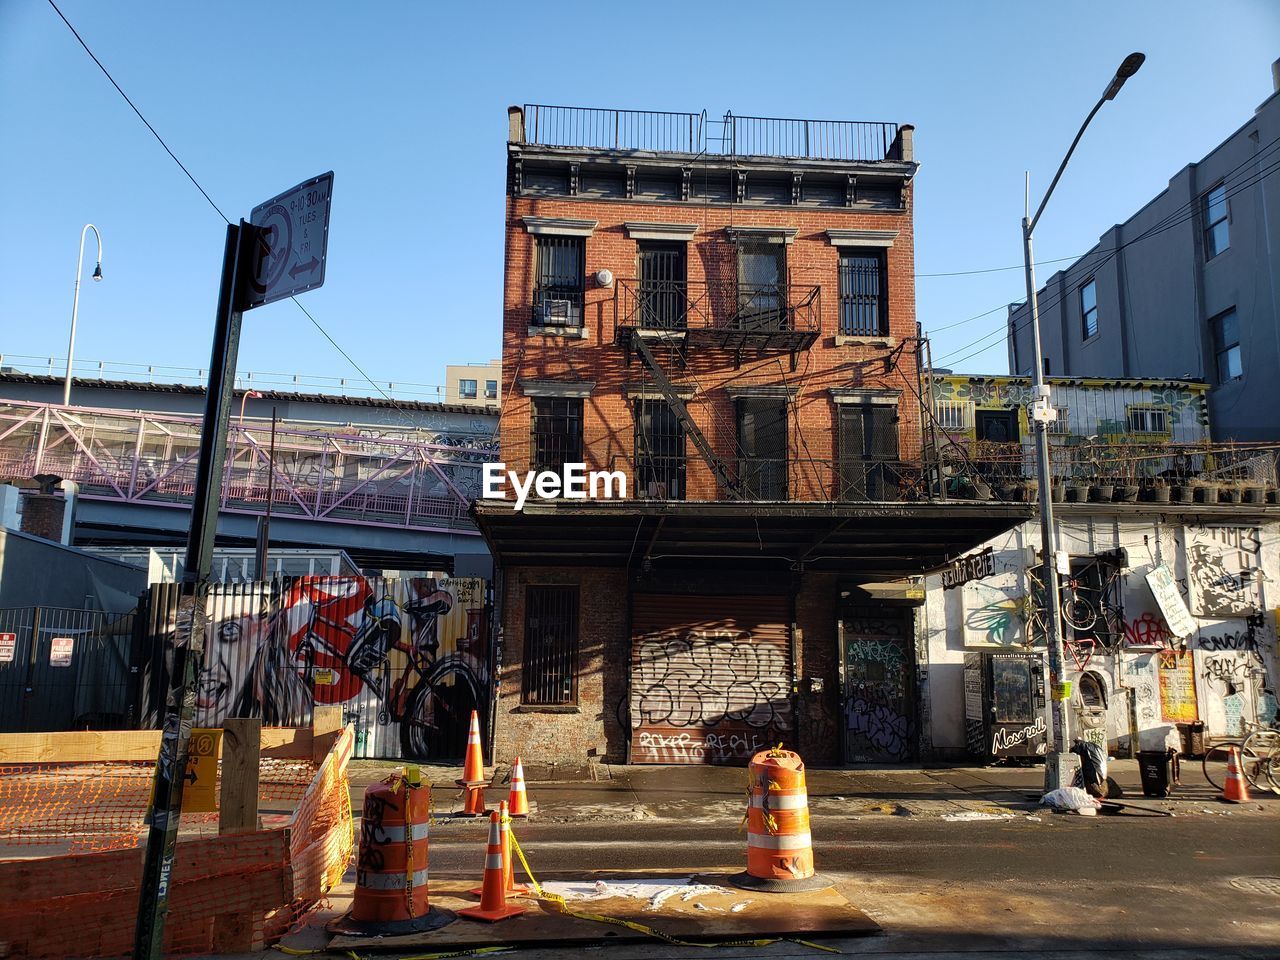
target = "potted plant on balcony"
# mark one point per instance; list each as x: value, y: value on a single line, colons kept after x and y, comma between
x: 1206, y: 490
x: 1158, y: 491
x: 1253, y: 491
x: 1102, y: 490
x: 1230, y: 491
x: 1182, y: 492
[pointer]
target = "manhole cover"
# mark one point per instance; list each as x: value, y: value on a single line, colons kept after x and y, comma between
x: 1267, y: 885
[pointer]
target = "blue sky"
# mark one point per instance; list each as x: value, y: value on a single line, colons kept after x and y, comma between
x: 406, y: 103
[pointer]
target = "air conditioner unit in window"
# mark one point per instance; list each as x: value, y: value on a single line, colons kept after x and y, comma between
x: 557, y: 312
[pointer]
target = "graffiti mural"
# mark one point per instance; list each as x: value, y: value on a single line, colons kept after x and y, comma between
x: 407, y: 659
x: 1224, y: 571
x: 879, y: 700
x: 708, y: 697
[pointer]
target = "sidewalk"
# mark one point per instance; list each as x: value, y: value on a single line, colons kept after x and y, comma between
x: 708, y: 794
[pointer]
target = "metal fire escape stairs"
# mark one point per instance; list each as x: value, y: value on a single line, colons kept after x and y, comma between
x: 718, y: 467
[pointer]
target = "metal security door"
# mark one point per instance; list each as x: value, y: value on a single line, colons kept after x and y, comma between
x: 709, y: 677
x: 879, y: 701
x: 662, y: 285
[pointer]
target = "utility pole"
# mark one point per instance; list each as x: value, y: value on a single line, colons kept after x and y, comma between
x: 1059, y: 763
x: 264, y: 522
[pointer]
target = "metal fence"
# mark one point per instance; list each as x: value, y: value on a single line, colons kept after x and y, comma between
x: 64, y: 669
x: 660, y: 131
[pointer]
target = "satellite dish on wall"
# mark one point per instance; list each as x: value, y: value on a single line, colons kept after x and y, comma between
x: 604, y: 278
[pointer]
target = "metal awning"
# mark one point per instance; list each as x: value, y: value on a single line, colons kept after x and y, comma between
x: 881, y: 539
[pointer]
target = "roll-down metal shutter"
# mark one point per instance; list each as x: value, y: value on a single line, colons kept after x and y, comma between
x: 710, y: 677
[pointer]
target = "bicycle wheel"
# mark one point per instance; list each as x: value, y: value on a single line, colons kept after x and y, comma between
x: 1078, y: 613
x: 1215, y: 762
x: 1257, y: 758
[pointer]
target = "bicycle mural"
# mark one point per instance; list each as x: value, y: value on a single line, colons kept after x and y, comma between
x: 408, y: 659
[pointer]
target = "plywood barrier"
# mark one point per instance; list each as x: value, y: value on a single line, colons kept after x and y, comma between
x: 231, y: 892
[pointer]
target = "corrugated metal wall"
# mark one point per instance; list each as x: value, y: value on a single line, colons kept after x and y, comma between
x: 407, y: 659
x: 710, y: 677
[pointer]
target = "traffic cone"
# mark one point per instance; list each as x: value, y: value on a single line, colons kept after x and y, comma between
x: 512, y: 888
x: 472, y: 782
x: 517, y: 801
x: 493, y: 896
x: 1235, y: 790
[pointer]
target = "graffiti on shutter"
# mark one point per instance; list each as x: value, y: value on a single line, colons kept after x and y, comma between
x: 709, y: 678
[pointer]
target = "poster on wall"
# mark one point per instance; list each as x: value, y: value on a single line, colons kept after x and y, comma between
x: 1169, y: 600
x: 8, y: 646
x: 1224, y: 571
x: 1177, y: 688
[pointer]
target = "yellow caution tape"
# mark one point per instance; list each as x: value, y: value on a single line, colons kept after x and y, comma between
x: 562, y: 906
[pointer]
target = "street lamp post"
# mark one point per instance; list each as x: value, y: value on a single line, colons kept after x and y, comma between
x: 1059, y: 761
x: 75, y: 304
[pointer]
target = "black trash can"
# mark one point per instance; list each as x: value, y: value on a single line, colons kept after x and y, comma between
x: 1159, y: 771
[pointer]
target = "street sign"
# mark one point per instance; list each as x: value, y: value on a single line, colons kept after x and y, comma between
x: 8, y: 645
x: 200, y: 794
x: 294, y: 230
x: 61, y: 651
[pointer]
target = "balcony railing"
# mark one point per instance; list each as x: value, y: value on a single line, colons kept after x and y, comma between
x: 723, y: 305
x: 664, y: 132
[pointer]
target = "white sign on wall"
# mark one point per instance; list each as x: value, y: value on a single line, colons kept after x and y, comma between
x: 1169, y: 599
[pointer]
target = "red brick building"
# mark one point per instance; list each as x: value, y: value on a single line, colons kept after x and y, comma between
x: 724, y: 313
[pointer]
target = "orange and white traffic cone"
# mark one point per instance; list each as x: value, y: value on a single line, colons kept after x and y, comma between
x: 472, y: 782
x: 493, y: 897
x: 779, y: 847
x: 1235, y: 790
x: 517, y: 801
x: 512, y: 888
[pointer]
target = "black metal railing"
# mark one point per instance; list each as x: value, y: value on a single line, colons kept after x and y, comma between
x: 856, y: 140
x: 598, y: 129
x: 718, y: 305
x: 881, y: 481
x: 662, y: 131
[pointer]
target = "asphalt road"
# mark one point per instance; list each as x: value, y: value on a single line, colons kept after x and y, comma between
x: 1044, y: 883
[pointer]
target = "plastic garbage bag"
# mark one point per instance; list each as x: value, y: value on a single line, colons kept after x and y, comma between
x: 1069, y: 798
x: 1093, y: 767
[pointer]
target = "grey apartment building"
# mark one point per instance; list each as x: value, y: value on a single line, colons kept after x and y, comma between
x: 1185, y: 288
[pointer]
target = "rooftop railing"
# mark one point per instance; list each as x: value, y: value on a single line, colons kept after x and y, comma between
x: 664, y: 132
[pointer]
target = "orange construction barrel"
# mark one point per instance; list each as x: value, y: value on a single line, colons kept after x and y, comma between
x: 391, y: 867
x: 779, y: 847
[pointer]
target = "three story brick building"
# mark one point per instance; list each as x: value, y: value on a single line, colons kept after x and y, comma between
x: 722, y: 312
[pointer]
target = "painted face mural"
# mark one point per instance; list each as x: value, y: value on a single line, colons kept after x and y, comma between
x: 407, y: 659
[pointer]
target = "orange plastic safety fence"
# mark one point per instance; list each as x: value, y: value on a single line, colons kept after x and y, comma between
x: 81, y: 828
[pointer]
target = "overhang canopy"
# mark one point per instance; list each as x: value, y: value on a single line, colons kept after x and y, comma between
x: 880, y: 539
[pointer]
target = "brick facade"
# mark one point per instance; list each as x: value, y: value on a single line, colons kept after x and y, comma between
x: 43, y: 513
x: 879, y: 364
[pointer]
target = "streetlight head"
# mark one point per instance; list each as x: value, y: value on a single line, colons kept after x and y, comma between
x: 97, y: 273
x: 1126, y: 70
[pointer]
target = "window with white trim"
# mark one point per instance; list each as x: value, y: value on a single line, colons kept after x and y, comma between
x: 1144, y: 419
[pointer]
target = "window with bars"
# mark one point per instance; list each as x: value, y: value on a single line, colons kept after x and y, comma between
x: 762, y: 447
x: 863, y: 294
x: 660, y: 459
x: 550, y: 673
x: 1143, y: 419
x: 1217, y: 231
x: 956, y: 415
x: 867, y: 442
x: 762, y: 283
x: 663, y: 289
x: 559, y: 281
x: 557, y: 432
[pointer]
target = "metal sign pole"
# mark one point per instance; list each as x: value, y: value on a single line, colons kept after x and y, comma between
x: 170, y: 774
